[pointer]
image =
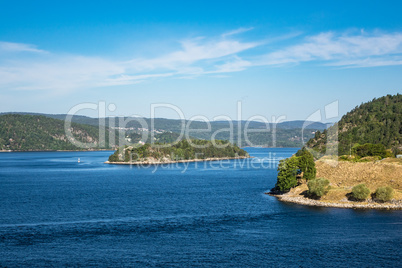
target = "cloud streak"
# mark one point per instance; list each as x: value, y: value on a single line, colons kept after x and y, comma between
x: 341, y: 50
x: 25, y: 67
x: 9, y: 47
x: 237, y: 31
x: 193, y: 51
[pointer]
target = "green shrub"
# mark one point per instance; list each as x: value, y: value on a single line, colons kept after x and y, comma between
x: 344, y: 158
x: 370, y: 149
x: 384, y: 194
x: 318, y: 187
x: 369, y: 159
x: 360, y: 192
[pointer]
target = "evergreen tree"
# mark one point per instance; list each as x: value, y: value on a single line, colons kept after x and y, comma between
x: 287, y: 171
x: 306, y: 164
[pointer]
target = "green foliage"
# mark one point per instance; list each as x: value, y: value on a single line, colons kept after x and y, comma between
x: 369, y: 149
x: 182, y: 150
x: 374, y: 122
x: 360, y: 192
x: 115, y: 157
x: 318, y: 187
x: 306, y: 163
x: 287, y: 171
x: 289, y: 168
x: 384, y: 194
x: 167, y: 137
x: 346, y: 158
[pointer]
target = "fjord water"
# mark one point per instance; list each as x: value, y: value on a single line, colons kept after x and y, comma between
x: 55, y: 211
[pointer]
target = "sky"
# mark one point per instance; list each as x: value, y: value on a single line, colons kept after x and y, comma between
x: 198, y: 58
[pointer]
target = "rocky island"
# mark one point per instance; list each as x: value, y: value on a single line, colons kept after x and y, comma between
x: 183, y: 151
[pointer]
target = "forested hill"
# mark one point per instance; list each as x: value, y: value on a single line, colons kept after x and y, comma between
x: 186, y: 150
x: 37, y: 133
x: 286, y: 134
x: 377, y: 122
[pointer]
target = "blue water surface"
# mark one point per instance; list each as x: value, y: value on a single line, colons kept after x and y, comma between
x: 56, y: 211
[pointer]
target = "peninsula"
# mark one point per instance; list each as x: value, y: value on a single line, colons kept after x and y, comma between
x: 367, y: 173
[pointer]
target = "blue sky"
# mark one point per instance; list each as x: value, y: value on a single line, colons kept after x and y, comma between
x: 278, y: 59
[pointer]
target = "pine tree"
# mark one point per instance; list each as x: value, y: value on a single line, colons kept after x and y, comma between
x: 287, y: 171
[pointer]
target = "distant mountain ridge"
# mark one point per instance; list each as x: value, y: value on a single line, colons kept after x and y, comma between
x: 172, y: 124
x: 33, y: 131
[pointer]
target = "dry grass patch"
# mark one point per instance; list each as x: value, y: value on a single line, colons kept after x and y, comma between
x: 397, y: 161
x: 336, y: 194
x: 373, y: 174
x: 299, y: 190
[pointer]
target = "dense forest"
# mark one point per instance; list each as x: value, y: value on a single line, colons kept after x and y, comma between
x: 40, y: 133
x: 183, y: 150
x: 375, y: 122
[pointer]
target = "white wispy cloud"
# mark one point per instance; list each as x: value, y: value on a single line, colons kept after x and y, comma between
x: 37, y: 69
x: 235, y: 65
x: 18, y: 47
x: 340, y: 50
x: 368, y: 62
x: 59, y: 73
x: 237, y: 31
x: 193, y: 51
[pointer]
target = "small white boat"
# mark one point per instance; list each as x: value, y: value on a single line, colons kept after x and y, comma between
x: 79, y: 160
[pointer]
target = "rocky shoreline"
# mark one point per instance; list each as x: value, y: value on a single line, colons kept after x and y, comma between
x: 397, y: 205
x: 177, y: 161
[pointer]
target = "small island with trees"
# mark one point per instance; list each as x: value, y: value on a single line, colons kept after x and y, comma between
x: 192, y: 150
x: 367, y: 172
